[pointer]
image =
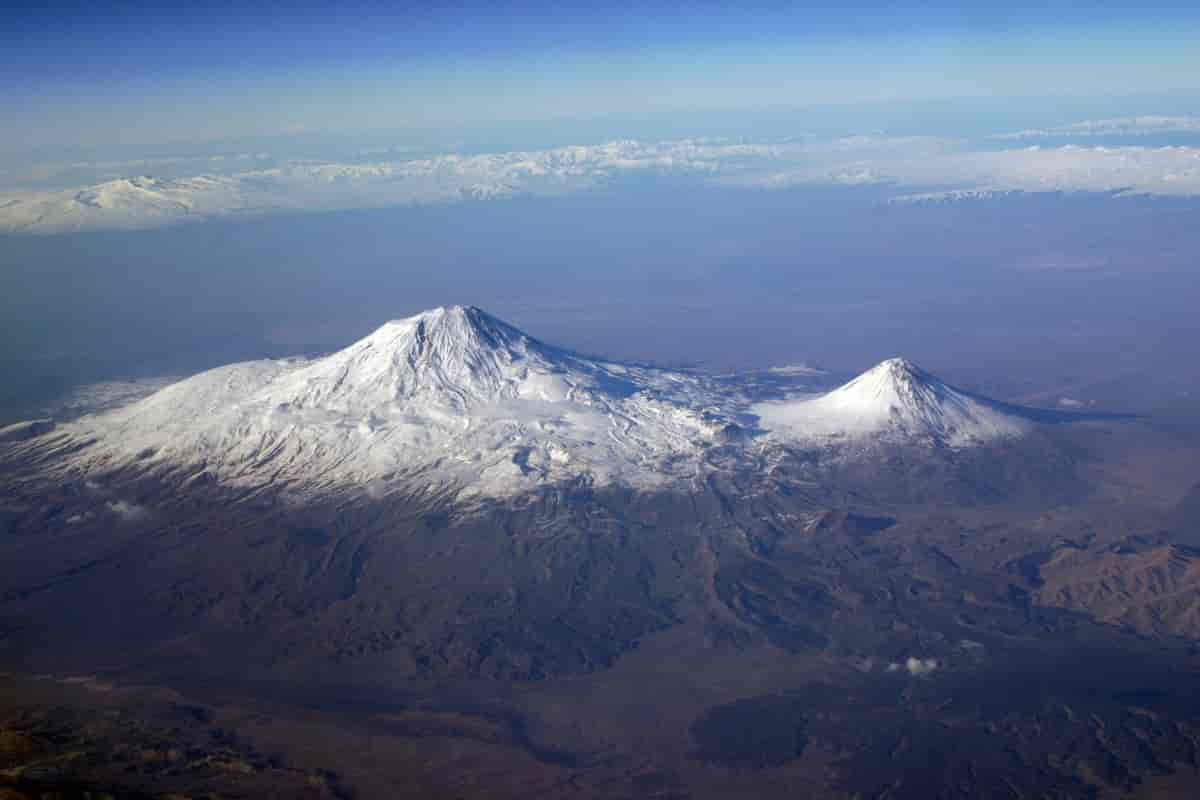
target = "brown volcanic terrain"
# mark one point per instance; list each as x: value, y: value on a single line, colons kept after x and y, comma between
x: 1017, y: 621
x: 1154, y: 589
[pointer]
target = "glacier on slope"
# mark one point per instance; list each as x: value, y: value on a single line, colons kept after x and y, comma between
x: 894, y: 401
x: 451, y: 399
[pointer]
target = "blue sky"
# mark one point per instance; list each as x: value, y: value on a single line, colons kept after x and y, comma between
x: 78, y: 75
x: 795, y: 175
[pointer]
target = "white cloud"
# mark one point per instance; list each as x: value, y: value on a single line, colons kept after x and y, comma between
x: 130, y: 512
x: 949, y: 167
x: 1070, y: 168
x: 796, y: 369
x: 916, y: 667
x: 920, y: 666
x: 1147, y: 125
x: 142, y: 202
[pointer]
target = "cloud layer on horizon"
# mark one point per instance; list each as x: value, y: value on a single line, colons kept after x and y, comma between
x: 915, y: 167
x: 1144, y: 125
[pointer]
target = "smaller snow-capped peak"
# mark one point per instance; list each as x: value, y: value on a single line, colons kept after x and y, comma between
x: 897, y: 369
x: 895, y: 399
x: 894, y: 385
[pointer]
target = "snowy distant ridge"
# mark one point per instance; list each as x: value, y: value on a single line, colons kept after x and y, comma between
x: 947, y: 168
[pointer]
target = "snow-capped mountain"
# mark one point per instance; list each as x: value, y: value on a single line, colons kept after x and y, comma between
x: 898, y: 401
x: 132, y: 203
x: 451, y: 398
x: 457, y: 403
x: 124, y: 204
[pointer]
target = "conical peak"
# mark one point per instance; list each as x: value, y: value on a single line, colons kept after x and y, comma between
x: 897, y: 363
x: 898, y: 400
x: 460, y: 319
x: 453, y: 312
x: 898, y: 367
x: 892, y: 374
x: 456, y: 315
x: 897, y: 375
x: 463, y: 329
x: 449, y: 357
x: 457, y: 353
x: 453, y: 327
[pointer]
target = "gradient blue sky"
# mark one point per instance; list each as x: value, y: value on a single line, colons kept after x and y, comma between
x: 132, y: 74
x: 645, y: 264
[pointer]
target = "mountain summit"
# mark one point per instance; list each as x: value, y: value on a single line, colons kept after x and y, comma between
x: 454, y: 357
x: 895, y: 400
